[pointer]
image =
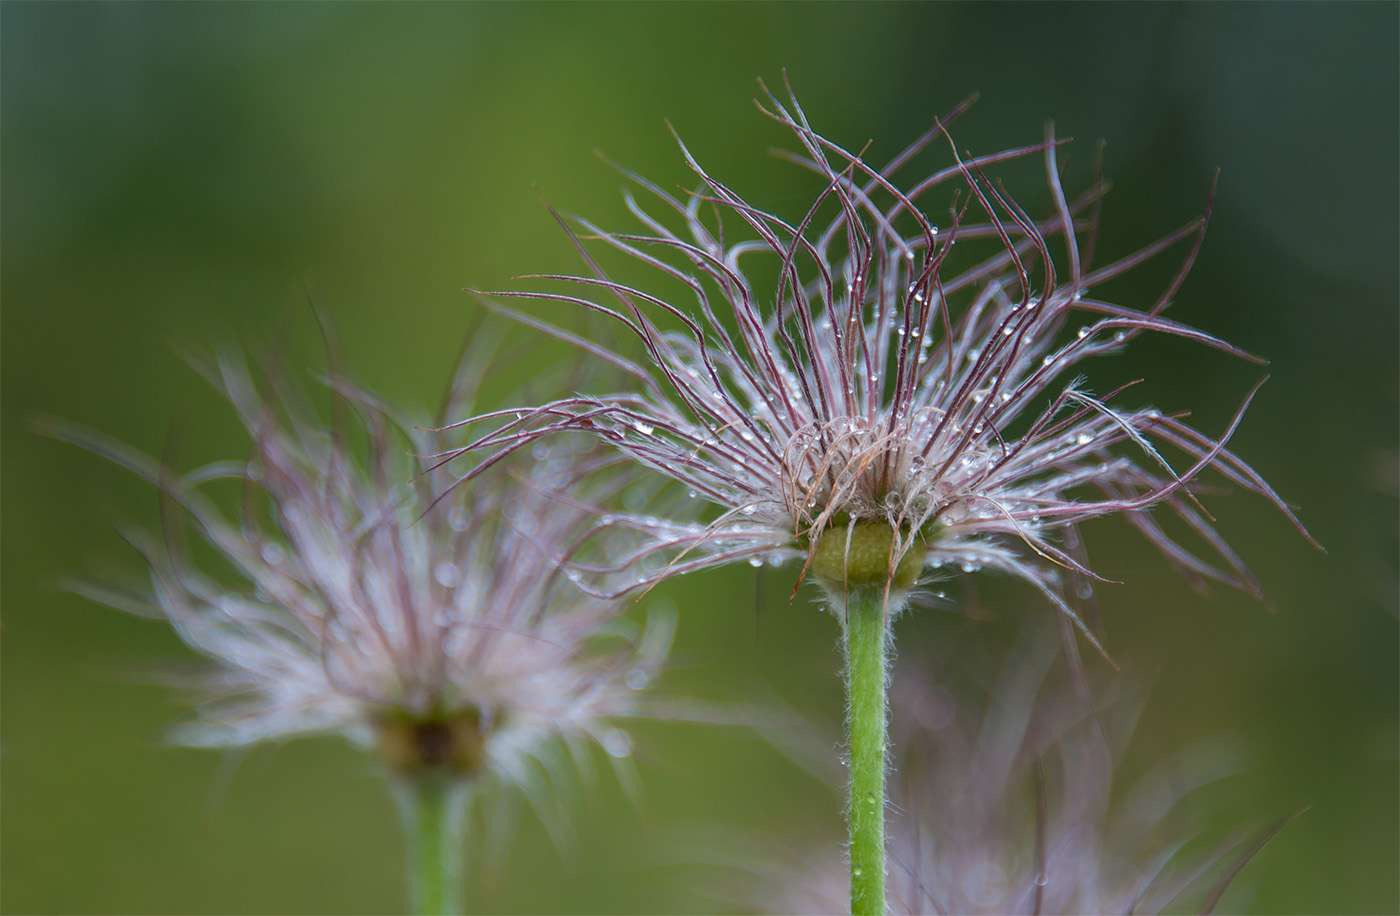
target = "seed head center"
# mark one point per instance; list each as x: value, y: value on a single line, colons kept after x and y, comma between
x: 865, y: 553
x: 454, y: 742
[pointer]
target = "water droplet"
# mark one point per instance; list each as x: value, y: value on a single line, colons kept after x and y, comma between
x: 748, y: 510
x: 389, y: 619
x: 447, y: 575
x: 755, y: 562
x: 1083, y: 439
x: 1082, y: 332
x: 273, y: 554
x: 254, y: 471
x: 1042, y: 879
x: 637, y: 679
x: 646, y: 429
x: 856, y: 872
x: 618, y: 743
x: 1085, y: 590
x: 970, y: 567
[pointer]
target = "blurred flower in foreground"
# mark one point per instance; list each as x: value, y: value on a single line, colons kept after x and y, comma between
x: 447, y: 639
x: 1005, y: 803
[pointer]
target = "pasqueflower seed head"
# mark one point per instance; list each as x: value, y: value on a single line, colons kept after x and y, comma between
x: 449, y: 639
x: 1005, y: 801
x: 843, y: 396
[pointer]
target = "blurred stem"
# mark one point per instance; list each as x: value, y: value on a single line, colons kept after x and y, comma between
x: 867, y: 689
x: 432, y: 803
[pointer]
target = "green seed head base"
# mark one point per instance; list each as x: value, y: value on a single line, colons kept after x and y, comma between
x: 452, y: 743
x: 865, y: 554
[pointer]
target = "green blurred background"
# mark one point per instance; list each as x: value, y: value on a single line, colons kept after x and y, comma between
x: 187, y: 172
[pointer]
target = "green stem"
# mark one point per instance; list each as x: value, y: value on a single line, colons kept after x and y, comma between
x: 867, y: 688
x: 432, y: 805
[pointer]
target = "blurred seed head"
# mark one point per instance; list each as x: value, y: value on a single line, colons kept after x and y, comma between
x: 1003, y: 800
x: 848, y: 390
x: 343, y: 598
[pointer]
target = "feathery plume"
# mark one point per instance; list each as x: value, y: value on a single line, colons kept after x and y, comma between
x: 849, y: 391
x: 1006, y: 803
x: 843, y: 396
x: 450, y: 640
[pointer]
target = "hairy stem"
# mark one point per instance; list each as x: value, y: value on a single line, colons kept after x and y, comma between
x: 432, y: 804
x: 867, y: 689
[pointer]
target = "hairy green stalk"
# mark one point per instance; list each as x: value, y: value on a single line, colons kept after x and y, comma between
x: 432, y: 803
x: 867, y: 690
x: 867, y: 567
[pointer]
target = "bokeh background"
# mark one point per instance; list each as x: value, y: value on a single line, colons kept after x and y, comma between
x: 192, y: 172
